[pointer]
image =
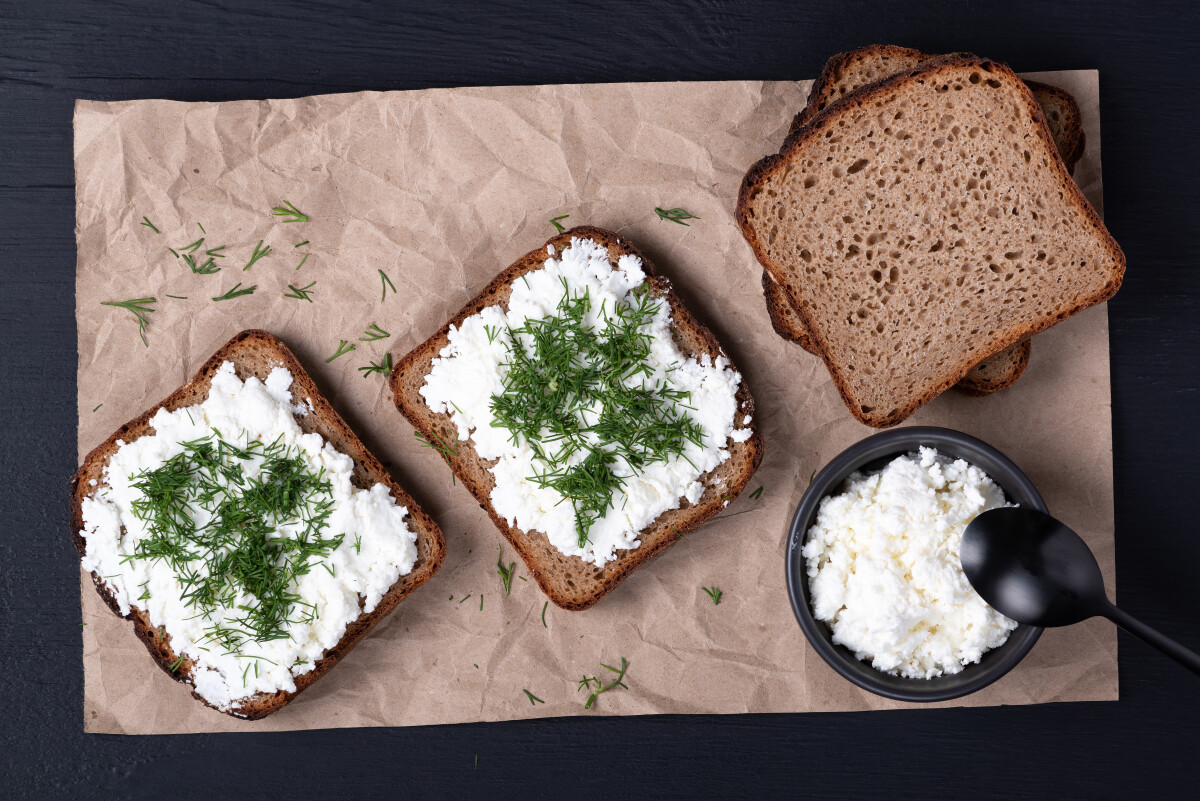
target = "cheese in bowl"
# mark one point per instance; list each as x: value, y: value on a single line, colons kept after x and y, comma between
x: 883, y: 564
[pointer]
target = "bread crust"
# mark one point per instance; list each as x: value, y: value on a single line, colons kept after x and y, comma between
x: 591, y: 584
x: 253, y: 352
x: 768, y: 166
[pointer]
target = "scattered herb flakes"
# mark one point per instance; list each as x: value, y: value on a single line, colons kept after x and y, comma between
x: 300, y: 244
x: 387, y: 284
x: 754, y: 496
x: 237, y: 292
x: 300, y: 293
x: 343, y: 348
x: 713, y: 594
x: 481, y: 602
x: 215, y: 252
x: 533, y: 699
x: 289, y: 211
x: 192, y: 248
x: 201, y: 227
x: 384, y: 367
x: 557, y: 225
x: 139, y: 308
x: 97, y: 406
x: 544, y: 605
x: 178, y: 297
x: 301, y: 264
x: 259, y: 251
x: 465, y: 597
x: 505, y: 573
x: 728, y: 497
x: 811, y: 477
x: 600, y: 686
x: 373, y: 333
x: 676, y: 215
x: 476, y: 665
x: 146, y: 222
x: 477, y: 762
x: 175, y: 665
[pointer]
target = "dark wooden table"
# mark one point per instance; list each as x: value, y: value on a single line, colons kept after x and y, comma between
x: 1146, y: 745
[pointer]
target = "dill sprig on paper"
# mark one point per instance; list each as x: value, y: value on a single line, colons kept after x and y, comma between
x: 343, y: 348
x: 555, y: 222
x: 259, y: 252
x: 139, y: 308
x: 505, y: 573
x: 289, y: 211
x: 237, y: 292
x: 373, y: 333
x: 384, y: 366
x: 387, y: 283
x: 675, y: 215
x: 599, y: 686
x: 300, y: 293
x: 713, y: 594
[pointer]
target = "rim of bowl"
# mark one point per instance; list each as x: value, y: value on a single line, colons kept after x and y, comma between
x: 885, y: 446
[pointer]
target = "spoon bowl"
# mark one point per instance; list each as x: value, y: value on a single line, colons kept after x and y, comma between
x: 1030, y: 567
x: 1037, y: 571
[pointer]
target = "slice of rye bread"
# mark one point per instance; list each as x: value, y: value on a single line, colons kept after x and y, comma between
x: 847, y: 72
x: 256, y: 353
x: 963, y: 177
x: 569, y: 581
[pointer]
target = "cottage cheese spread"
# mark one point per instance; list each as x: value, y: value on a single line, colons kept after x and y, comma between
x: 472, y: 366
x: 377, y: 546
x: 884, y: 570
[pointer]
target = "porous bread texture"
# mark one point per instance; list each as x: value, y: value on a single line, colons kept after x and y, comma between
x: 568, y: 581
x: 921, y: 225
x: 850, y: 71
x: 256, y: 353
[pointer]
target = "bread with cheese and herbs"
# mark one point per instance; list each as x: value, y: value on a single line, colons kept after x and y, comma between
x: 553, y: 397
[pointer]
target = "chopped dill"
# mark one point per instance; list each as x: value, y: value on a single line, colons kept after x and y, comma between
x: 139, y: 308
x: 675, y: 215
x: 343, y: 348
x: 289, y: 211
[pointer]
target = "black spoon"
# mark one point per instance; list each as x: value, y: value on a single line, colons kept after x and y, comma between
x: 1033, y: 569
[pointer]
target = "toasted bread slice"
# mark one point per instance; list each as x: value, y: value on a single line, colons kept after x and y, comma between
x: 569, y: 581
x: 256, y: 353
x: 887, y: 219
x: 847, y: 72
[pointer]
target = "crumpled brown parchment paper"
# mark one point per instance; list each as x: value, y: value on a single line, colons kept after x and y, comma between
x: 441, y: 189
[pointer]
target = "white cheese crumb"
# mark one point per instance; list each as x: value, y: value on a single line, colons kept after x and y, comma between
x: 884, y: 568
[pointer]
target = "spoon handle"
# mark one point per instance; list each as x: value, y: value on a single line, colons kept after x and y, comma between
x: 1184, y: 656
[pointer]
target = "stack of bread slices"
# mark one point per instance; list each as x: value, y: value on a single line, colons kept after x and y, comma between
x: 920, y: 223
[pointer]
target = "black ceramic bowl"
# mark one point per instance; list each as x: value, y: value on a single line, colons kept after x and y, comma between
x: 870, y: 455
